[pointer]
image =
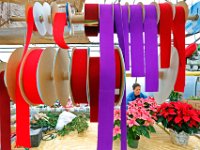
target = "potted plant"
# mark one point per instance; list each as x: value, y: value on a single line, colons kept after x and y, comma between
x: 141, y: 116
x: 174, y: 96
x: 182, y: 120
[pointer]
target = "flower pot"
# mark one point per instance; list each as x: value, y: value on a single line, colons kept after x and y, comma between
x: 133, y: 143
x: 180, y: 139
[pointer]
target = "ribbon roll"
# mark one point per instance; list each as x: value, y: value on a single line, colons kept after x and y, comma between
x: 61, y: 75
x: 94, y: 82
x: 78, y: 77
x: 137, y: 49
x: 5, y: 132
x: 11, y: 70
x: 190, y: 50
x: 58, y: 29
x: 179, y: 43
x: 151, y: 48
x: 107, y: 79
x: 91, y: 15
x: 126, y: 35
x: 165, y: 27
x: 37, y: 84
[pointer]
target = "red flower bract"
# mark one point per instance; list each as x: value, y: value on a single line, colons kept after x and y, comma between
x: 179, y: 116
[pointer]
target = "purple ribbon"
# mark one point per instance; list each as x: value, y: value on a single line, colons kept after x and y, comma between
x: 123, y: 43
x: 151, y: 48
x: 137, y: 49
x: 126, y: 36
x: 107, y: 79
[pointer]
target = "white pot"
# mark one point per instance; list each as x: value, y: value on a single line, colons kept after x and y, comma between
x: 179, y: 138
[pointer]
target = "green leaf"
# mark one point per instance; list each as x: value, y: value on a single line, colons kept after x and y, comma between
x: 145, y: 133
x: 152, y: 129
x: 160, y: 119
x: 134, y: 128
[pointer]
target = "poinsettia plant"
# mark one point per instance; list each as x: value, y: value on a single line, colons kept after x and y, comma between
x: 179, y: 117
x: 141, y: 115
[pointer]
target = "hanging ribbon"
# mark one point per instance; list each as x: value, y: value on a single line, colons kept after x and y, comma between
x: 79, y: 76
x: 91, y: 14
x: 5, y: 132
x: 107, y: 79
x: 58, y: 29
x: 179, y: 43
x: 126, y: 36
x: 151, y: 48
x: 22, y: 121
x: 121, y: 24
x: 137, y: 49
x: 165, y: 27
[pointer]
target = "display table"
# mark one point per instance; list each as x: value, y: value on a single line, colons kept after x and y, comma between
x: 88, y: 141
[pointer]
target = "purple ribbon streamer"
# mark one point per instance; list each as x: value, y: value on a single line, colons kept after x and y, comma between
x: 137, y: 49
x: 107, y: 79
x: 126, y: 36
x: 151, y: 48
x: 120, y: 33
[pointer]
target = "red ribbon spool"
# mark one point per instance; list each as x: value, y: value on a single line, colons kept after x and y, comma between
x: 78, y: 80
x: 28, y: 73
x: 94, y: 73
x: 91, y: 14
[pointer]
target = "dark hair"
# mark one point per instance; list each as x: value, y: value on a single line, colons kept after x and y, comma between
x: 136, y: 85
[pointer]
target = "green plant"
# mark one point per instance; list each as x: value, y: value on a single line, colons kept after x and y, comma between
x: 179, y: 117
x: 175, y: 96
x: 194, y: 98
x: 79, y: 124
x: 141, y: 116
x: 48, y: 119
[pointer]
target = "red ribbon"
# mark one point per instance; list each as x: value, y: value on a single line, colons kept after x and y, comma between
x: 58, y: 29
x: 190, y: 49
x: 5, y: 132
x: 22, y: 108
x: 179, y: 43
x: 165, y: 26
x: 91, y: 14
x: 94, y: 71
x: 29, y: 76
x: 79, y: 75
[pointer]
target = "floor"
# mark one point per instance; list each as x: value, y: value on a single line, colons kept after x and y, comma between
x: 88, y: 141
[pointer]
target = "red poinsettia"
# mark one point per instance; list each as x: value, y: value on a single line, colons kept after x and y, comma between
x: 179, y: 116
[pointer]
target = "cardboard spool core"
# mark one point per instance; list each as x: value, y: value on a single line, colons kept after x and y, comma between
x: 158, y: 10
x: 61, y: 75
x: 46, y: 81
x: 167, y: 78
x: 11, y: 70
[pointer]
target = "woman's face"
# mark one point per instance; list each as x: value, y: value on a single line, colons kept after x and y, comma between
x: 137, y: 91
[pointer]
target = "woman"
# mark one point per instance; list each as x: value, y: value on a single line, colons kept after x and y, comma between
x: 135, y: 94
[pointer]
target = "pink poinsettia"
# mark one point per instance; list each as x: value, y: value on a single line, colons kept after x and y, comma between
x: 116, y: 130
x: 140, y: 115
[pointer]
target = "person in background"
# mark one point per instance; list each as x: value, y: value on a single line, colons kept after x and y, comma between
x: 135, y: 94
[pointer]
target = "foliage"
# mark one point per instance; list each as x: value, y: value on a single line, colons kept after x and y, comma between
x: 141, y: 116
x: 78, y: 124
x: 179, y: 116
x: 194, y: 98
x: 175, y: 96
x: 48, y: 120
